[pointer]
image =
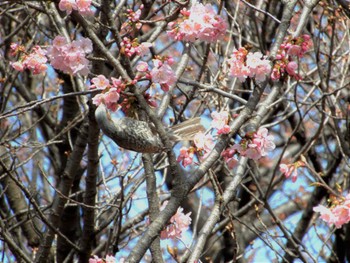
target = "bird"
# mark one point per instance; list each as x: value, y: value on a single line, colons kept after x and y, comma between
x: 141, y: 136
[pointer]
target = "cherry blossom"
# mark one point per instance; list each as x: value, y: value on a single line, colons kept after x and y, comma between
x: 291, y: 170
x: 82, y: 6
x: 110, y: 95
x: 200, y: 22
x: 109, y: 259
x: 70, y: 57
x: 35, y: 61
x: 130, y: 47
x: 258, y: 65
x: 254, y: 146
x: 248, y: 150
x: 178, y: 224
x: 229, y: 158
x: 133, y: 19
x: 284, y: 64
x: 203, y: 142
x: 220, y: 122
x: 142, y: 66
x: 245, y: 64
x: 163, y: 74
x: 185, y: 156
x: 100, y: 82
x: 338, y: 214
x: 291, y: 69
x: 263, y: 141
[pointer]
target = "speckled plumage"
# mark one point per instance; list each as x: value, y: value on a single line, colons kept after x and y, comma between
x: 138, y: 136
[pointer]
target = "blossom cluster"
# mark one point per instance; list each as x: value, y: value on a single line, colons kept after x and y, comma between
x: 133, y: 19
x: 204, y: 143
x: 110, y: 94
x: 129, y: 48
x: 254, y: 148
x: 108, y: 259
x: 291, y: 170
x: 178, y: 224
x: 243, y: 64
x: 284, y: 64
x: 161, y: 73
x: 70, y: 57
x: 35, y: 61
x: 200, y: 22
x: 338, y: 214
x: 220, y: 121
x: 82, y: 6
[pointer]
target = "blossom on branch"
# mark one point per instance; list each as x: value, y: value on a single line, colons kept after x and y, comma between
x: 291, y: 170
x: 178, y: 224
x: 109, y: 259
x: 185, y: 156
x: 284, y: 64
x: 70, y: 57
x: 82, y: 6
x: 200, y: 22
x: 338, y: 214
x: 220, y: 121
x: 245, y: 64
x: 34, y: 61
x: 130, y: 47
x: 163, y: 74
x: 110, y: 95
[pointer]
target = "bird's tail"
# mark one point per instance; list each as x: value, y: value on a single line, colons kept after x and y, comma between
x: 186, y: 130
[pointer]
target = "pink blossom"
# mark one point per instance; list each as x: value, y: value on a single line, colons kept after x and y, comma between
x: 98, y: 99
x: 134, y: 16
x: 82, y: 6
x: 258, y: 65
x: 238, y: 68
x: 203, y: 142
x: 342, y: 215
x: 263, y: 141
x: 178, y: 224
x: 243, y: 64
x: 294, y: 50
x: 289, y: 170
x: 70, y: 57
x: 130, y: 47
x: 59, y: 41
x: 291, y: 68
x: 143, y: 48
x: 100, y: 82
x: 250, y: 150
x: 164, y: 75
x: 201, y: 22
x: 111, y: 99
x: 256, y: 147
x: 142, y: 66
x: 326, y: 214
x: 96, y: 259
x: 18, y: 65
x: 276, y: 74
x: 67, y: 5
x: 229, y: 158
x: 338, y: 214
x: 220, y: 122
x: 35, y: 61
x: 186, y: 156
x: 117, y: 83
